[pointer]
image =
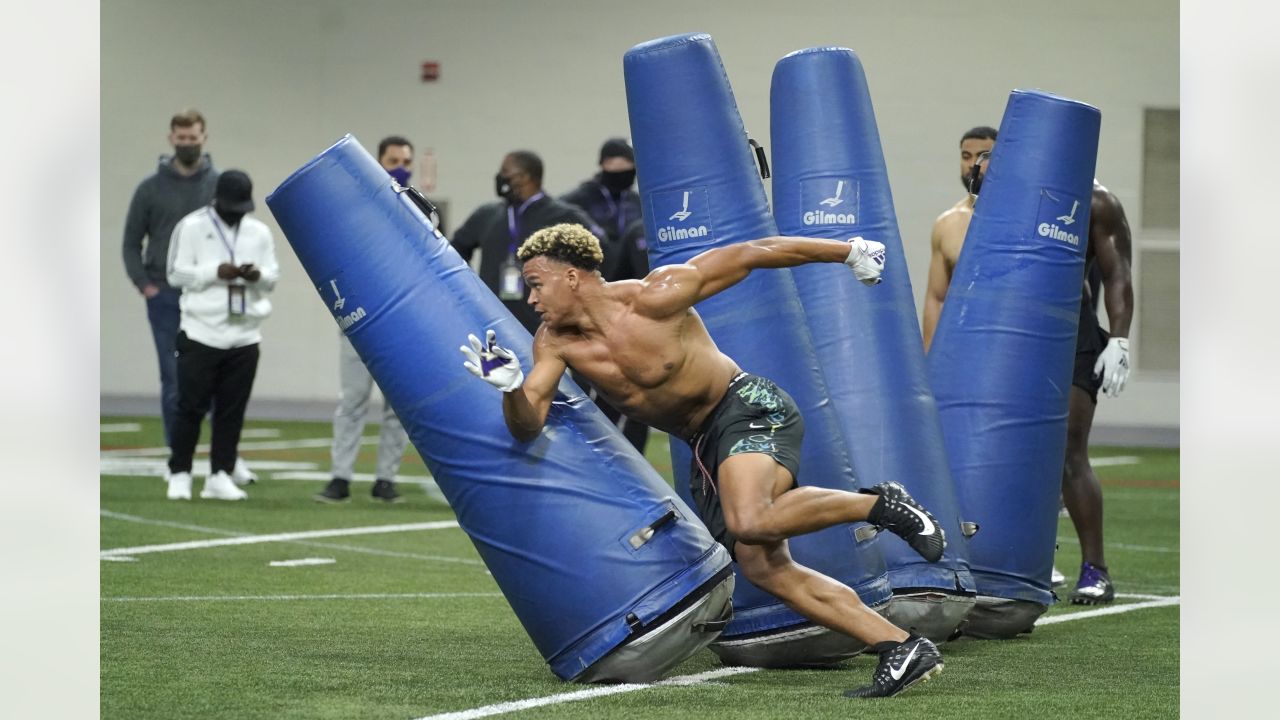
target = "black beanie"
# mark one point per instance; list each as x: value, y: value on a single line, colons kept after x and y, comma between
x: 616, y: 147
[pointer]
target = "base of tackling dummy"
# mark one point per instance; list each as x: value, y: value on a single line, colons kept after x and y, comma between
x: 652, y: 654
x: 930, y: 613
x: 996, y: 618
x: 795, y: 646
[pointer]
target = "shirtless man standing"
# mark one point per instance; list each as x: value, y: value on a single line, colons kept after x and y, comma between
x: 1102, y: 359
x: 950, y: 227
x: 645, y: 349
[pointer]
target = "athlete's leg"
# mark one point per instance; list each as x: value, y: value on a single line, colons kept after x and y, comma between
x: 759, y: 508
x: 815, y: 596
x: 1081, y: 490
x: 758, y: 511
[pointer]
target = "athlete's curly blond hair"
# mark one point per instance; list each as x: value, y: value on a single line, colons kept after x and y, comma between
x: 567, y: 242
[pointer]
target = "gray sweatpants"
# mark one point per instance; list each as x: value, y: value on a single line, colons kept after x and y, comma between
x: 356, y: 385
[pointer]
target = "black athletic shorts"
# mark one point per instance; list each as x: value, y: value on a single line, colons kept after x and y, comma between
x: 754, y: 416
x: 1091, y: 340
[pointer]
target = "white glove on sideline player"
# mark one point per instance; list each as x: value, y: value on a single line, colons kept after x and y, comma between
x: 866, y: 258
x: 493, y: 363
x: 1113, y: 365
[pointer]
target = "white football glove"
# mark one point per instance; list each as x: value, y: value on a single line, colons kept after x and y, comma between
x: 493, y: 363
x: 866, y: 258
x: 1113, y: 365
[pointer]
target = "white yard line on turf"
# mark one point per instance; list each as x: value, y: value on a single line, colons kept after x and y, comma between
x: 517, y: 705
x: 243, y: 598
x: 1114, y: 460
x: 1113, y: 610
x: 1140, y: 596
x: 310, y: 543
x: 595, y: 692
x: 155, y: 468
x: 278, y: 537
x: 119, y: 427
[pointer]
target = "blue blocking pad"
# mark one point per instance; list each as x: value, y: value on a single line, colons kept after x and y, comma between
x: 830, y: 181
x: 1001, y: 359
x: 561, y: 521
x: 701, y: 190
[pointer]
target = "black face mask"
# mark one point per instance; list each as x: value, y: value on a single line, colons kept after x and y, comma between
x: 228, y: 217
x: 617, y: 181
x: 502, y: 186
x: 187, y: 154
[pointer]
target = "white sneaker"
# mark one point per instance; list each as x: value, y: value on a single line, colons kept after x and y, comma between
x: 241, y: 474
x: 219, y: 486
x: 1056, y: 578
x: 179, y: 486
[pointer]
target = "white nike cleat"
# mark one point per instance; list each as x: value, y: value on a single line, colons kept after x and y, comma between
x: 179, y: 486
x: 219, y: 486
x: 913, y: 660
x: 241, y: 474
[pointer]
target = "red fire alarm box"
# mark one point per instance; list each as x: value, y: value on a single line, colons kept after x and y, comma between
x: 430, y: 71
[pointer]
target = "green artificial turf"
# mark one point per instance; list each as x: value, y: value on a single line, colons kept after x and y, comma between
x: 419, y: 627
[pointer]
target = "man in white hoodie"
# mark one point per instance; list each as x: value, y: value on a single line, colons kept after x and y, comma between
x: 225, y: 264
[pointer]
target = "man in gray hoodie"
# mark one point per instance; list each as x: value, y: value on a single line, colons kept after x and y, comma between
x: 183, y: 182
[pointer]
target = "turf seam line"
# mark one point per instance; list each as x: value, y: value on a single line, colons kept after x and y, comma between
x: 1125, y: 546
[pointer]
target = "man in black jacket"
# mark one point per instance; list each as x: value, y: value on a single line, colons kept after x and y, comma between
x: 608, y: 197
x: 497, y: 229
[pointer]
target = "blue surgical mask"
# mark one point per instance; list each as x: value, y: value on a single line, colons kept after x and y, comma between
x: 401, y: 174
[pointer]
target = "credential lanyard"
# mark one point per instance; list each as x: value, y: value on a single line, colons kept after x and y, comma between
x: 616, y: 207
x: 513, y: 213
x: 235, y: 239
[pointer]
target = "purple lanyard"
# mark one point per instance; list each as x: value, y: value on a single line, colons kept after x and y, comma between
x: 513, y: 213
x: 614, y: 207
x: 230, y: 246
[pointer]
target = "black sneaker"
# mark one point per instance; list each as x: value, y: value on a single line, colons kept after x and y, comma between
x: 338, y: 490
x: 913, y: 660
x: 385, y: 490
x: 899, y: 513
x: 1094, y: 586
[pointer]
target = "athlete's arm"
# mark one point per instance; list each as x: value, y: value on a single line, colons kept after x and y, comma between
x: 673, y: 289
x: 525, y: 408
x: 935, y: 293
x: 1111, y: 242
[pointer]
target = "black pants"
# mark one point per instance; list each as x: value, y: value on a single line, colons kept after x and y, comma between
x: 205, y: 375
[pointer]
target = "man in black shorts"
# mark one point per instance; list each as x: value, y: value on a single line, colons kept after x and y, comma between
x: 1102, y: 363
x: 644, y: 348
